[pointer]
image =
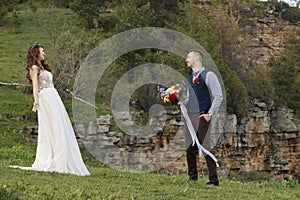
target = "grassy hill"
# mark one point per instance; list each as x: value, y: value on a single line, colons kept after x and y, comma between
x: 104, y: 182
x: 34, y: 26
x: 108, y: 183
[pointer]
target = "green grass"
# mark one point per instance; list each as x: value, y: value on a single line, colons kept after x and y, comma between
x: 108, y: 183
x: 104, y: 182
x: 40, y: 26
x: 14, y: 102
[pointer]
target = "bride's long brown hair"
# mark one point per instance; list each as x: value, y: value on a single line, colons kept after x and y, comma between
x: 32, y: 59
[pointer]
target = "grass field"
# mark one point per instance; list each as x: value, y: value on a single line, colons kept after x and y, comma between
x: 34, y: 26
x: 109, y: 183
x: 104, y: 182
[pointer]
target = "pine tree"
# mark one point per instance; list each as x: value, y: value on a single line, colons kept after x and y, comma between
x: 286, y: 76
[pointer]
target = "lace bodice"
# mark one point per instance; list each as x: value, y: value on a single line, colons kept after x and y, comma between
x: 44, y: 78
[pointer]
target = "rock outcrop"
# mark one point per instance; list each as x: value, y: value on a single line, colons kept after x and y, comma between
x: 267, y: 39
x: 268, y: 140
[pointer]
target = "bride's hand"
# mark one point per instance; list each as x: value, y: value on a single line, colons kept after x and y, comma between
x: 35, y: 107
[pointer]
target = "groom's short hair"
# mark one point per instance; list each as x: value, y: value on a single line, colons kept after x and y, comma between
x: 198, y: 53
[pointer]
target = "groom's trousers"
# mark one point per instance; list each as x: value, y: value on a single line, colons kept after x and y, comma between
x: 202, y: 129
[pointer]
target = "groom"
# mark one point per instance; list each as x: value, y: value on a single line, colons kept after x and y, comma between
x: 204, y: 99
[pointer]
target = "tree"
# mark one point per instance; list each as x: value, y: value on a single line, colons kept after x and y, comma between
x: 69, y: 50
x: 285, y: 74
x: 260, y: 84
x: 292, y: 14
x: 165, y: 12
x: 94, y: 13
x: 5, y: 8
x: 14, y: 21
x: 133, y: 14
x: 218, y: 34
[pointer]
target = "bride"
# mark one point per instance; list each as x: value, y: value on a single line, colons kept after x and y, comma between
x: 57, y: 148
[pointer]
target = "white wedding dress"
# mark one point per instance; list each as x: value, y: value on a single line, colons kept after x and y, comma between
x: 57, y: 148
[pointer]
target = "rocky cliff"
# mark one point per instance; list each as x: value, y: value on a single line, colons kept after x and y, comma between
x: 267, y: 37
x: 267, y: 140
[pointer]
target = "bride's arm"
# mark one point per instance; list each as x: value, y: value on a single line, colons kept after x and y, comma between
x: 34, y: 78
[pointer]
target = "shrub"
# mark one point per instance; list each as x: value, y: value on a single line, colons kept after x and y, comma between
x: 292, y: 14
x: 5, y: 8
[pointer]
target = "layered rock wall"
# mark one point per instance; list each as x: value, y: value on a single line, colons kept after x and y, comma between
x: 268, y: 140
x: 268, y: 38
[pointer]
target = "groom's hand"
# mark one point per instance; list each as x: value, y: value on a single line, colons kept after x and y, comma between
x: 206, y: 117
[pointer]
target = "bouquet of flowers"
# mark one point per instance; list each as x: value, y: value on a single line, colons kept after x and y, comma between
x: 171, y: 94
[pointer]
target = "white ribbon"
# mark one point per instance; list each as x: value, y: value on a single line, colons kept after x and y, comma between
x: 194, y: 136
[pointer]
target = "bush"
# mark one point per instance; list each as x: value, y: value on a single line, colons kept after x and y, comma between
x: 61, y: 3
x: 285, y: 75
x: 236, y: 92
x: 260, y: 84
x: 281, y: 6
x: 89, y: 11
x: 5, y: 8
x: 292, y: 14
